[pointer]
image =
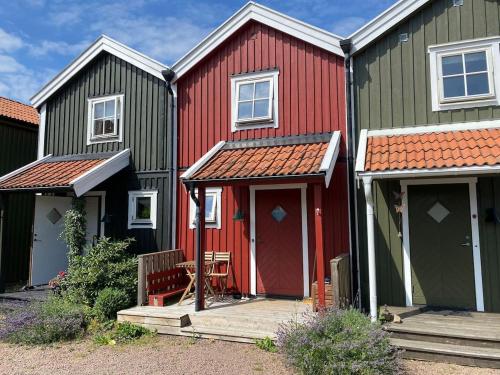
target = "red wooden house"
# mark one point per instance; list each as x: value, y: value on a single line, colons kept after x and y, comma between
x: 261, y: 143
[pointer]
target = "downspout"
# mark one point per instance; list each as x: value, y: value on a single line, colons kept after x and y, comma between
x: 197, y: 252
x: 169, y: 75
x: 346, y: 46
x: 370, y: 235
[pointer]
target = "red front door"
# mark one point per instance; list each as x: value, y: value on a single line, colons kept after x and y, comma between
x: 278, y: 230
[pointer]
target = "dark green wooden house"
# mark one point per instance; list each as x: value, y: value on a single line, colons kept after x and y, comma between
x: 105, y: 135
x: 18, y: 143
x: 426, y: 121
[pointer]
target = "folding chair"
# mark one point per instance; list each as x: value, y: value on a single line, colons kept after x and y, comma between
x: 224, y: 259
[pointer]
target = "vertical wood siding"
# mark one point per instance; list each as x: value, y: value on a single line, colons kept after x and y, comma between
x: 311, y: 100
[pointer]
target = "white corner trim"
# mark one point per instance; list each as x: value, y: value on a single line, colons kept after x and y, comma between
x: 384, y: 22
x: 103, y: 43
x: 305, y: 241
x: 478, y: 280
x: 100, y: 172
x: 41, y: 131
x: 330, y: 158
x: 24, y: 168
x: 435, y: 128
x: 267, y: 16
x: 133, y: 223
x: 361, y: 156
x: 436, y: 172
x: 201, y: 161
x: 218, y: 218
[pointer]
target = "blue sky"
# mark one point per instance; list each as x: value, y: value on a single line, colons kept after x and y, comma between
x: 40, y: 37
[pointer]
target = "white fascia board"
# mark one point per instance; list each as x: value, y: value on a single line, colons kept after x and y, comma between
x: 266, y: 16
x: 103, y: 43
x: 41, y: 131
x: 330, y: 158
x: 24, y: 167
x: 441, y: 172
x: 361, y: 156
x: 100, y: 173
x: 384, y: 22
x: 459, y: 126
x: 201, y: 161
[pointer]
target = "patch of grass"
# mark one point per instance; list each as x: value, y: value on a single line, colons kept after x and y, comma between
x: 266, y: 344
x: 123, y: 333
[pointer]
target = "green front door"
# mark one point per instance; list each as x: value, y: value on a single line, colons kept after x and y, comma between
x: 441, y: 246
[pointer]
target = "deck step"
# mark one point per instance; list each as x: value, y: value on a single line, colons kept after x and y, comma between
x: 226, y: 334
x: 153, y: 316
x: 449, y: 353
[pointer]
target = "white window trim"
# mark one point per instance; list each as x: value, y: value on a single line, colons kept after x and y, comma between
x: 492, y: 48
x: 216, y: 224
x: 268, y: 122
x: 90, y: 122
x: 141, y: 223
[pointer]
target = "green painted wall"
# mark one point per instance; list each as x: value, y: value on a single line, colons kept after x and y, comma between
x: 392, y: 89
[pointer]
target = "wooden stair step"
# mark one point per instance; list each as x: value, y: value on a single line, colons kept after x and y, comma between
x: 226, y: 334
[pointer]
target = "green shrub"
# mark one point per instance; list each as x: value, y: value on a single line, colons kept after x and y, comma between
x: 109, y: 301
x: 123, y: 333
x: 338, y: 342
x: 266, y: 344
x: 107, y: 265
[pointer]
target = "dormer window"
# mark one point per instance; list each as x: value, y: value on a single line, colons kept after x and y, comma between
x: 463, y: 74
x: 105, y: 119
x: 254, y: 100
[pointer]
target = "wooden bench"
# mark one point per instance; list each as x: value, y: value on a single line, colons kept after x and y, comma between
x: 165, y: 284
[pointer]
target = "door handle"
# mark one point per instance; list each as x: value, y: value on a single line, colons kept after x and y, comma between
x: 465, y: 244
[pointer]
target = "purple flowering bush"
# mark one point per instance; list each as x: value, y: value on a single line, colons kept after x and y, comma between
x: 338, y: 342
x: 42, y: 322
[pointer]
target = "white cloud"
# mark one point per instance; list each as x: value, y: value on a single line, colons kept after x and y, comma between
x: 17, y: 81
x: 47, y: 47
x: 8, y: 64
x: 9, y: 42
x: 346, y: 26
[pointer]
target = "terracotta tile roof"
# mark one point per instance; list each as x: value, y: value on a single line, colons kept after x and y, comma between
x: 57, y: 173
x: 463, y: 148
x: 18, y: 111
x: 264, y: 161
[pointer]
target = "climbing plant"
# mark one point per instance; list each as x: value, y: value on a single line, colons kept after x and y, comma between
x: 75, y: 228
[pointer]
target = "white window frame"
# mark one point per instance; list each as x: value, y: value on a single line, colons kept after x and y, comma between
x: 270, y: 121
x: 117, y: 135
x: 133, y: 222
x: 216, y: 222
x: 492, y: 48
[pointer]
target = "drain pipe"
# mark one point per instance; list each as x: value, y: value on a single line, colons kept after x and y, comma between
x: 346, y: 46
x: 198, y: 305
x: 370, y: 237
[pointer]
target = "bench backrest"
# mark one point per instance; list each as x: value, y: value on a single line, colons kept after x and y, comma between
x: 164, y: 281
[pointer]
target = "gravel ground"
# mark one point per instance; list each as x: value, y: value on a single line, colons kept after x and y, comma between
x: 168, y: 355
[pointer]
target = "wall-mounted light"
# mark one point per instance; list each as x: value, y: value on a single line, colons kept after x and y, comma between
x: 458, y: 3
x: 239, y: 215
x: 403, y: 37
x: 106, y: 219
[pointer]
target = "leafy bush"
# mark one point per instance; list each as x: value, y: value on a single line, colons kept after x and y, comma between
x: 266, y: 344
x: 75, y: 228
x: 43, y: 323
x: 109, y: 301
x: 123, y: 333
x: 338, y: 342
x: 107, y: 265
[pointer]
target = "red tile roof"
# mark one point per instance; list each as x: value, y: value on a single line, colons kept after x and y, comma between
x: 18, y: 111
x: 49, y: 174
x: 448, y: 149
x: 264, y: 161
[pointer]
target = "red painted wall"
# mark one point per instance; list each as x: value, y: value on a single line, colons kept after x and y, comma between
x: 311, y: 100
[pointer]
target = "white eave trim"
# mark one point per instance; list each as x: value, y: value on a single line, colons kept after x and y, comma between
x: 435, y: 172
x: 332, y: 152
x: 384, y: 22
x: 24, y: 168
x: 201, y: 161
x: 361, y: 156
x: 266, y: 16
x: 100, y: 172
x: 103, y: 43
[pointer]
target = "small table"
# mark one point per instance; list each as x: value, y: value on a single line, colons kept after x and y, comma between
x: 190, y: 267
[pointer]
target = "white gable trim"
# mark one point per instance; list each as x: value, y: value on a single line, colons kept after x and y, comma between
x: 201, y: 161
x: 267, y: 16
x: 103, y: 43
x: 330, y: 158
x: 384, y: 22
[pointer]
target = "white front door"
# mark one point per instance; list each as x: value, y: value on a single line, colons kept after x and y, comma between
x: 49, y: 255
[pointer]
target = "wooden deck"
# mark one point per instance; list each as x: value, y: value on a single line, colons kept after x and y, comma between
x: 467, y: 338
x: 231, y: 320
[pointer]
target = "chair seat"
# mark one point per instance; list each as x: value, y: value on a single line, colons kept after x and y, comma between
x: 218, y: 274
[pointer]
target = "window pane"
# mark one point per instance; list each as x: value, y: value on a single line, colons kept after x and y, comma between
x: 110, y: 108
x: 261, y: 108
x: 475, y: 62
x: 246, y: 91
x: 262, y: 90
x: 452, y: 65
x: 477, y: 84
x: 143, y: 208
x: 209, y: 208
x: 98, y: 127
x: 244, y: 110
x: 109, y: 126
x: 453, y: 86
x: 99, y: 110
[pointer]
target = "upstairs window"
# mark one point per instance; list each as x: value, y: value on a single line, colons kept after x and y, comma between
x: 254, y: 100
x: 463, y: 74
x: 105, y: 119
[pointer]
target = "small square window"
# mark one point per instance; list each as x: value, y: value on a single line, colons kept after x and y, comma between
x: 212, y: 209
x: 105, y: 119
x: 142, y: 209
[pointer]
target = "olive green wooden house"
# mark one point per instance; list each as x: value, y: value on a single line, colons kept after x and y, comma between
x: 426, y: 117
x: 18, y: 143
x: 105, y: 135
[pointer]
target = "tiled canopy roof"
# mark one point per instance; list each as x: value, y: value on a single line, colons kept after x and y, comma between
x: 275, y: 157
x: 77, y: 172
x: 18, y: 111
x: 433, y: 150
